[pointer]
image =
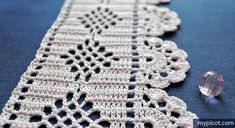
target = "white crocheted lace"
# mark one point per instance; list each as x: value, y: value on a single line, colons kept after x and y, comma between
x: 101, y: 65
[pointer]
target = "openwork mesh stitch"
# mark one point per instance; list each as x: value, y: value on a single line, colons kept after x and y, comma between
x: 101, y: 65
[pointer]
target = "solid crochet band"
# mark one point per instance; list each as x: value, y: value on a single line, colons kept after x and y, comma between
x: 101, y: 64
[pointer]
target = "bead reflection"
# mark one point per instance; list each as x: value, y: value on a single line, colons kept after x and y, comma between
x: 211, y: 100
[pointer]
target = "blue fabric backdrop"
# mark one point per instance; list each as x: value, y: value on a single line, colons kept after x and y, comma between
x: 206, y: 33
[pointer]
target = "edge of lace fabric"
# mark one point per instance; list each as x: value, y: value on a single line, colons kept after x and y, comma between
x: 89, y: 74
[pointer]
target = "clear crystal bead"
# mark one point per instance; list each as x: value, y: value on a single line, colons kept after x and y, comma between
x: 211, y: 83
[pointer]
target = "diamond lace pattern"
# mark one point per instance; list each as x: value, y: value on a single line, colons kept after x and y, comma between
x: 101, y: 65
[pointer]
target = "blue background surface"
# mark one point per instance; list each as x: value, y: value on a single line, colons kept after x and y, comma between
x: 206, y: 34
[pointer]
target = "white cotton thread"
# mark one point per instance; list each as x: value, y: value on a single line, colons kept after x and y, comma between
x: 101, y: 64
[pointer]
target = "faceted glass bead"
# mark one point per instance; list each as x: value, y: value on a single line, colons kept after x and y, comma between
x: 211, y: 83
